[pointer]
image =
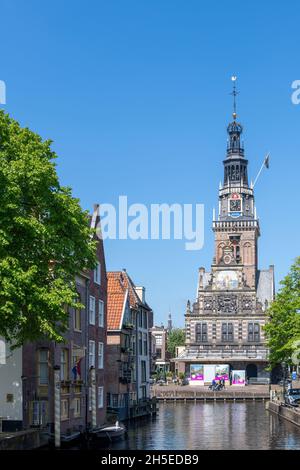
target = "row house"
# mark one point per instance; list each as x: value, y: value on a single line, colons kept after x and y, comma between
x: 11, y: 403
x: 84, y: 349
x: 129, y: 320
x: 161, y: 355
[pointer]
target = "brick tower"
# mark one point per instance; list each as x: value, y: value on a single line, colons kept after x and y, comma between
x: 224, y: 325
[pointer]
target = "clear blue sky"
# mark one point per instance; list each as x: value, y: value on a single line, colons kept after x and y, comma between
x: 135, y: 95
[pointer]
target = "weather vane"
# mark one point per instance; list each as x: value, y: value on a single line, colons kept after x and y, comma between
x: 234, y: 93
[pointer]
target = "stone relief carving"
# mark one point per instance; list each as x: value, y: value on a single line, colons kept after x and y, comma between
x: 247, y: 303
x: 208, y: 303
x: 227, y: 303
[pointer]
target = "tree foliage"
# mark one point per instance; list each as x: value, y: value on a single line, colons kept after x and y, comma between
x: 283, y: 326
x: 45, y: 239
x: 176, y: 337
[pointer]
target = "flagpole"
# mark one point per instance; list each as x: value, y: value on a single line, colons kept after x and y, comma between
x: 261, y: 168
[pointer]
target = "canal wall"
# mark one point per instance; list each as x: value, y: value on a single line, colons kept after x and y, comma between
x: 22, y: 440
x: 204, y: 394
x: 288, y: 413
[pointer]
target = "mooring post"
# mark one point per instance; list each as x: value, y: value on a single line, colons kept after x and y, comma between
x: 56, y: 406
x: 93, y: 396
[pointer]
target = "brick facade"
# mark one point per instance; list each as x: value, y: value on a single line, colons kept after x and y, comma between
x: 73, y: 357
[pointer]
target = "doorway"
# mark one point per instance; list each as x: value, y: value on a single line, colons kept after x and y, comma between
x: 251, y: 370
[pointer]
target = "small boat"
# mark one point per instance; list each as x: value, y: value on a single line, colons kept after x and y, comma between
x: 110, y: 432
x: 66, y: 440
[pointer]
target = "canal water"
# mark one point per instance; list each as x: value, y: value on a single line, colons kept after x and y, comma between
x: 188, y: 426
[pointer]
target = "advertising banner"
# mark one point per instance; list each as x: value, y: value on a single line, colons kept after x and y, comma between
x: 238, y: 377
x: 222, y: 372
x: 196, y: 373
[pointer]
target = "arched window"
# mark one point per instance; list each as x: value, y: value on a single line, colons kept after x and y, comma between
x: 247, y: 253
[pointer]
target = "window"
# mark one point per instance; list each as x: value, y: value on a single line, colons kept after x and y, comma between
x: 247, y: 253
x: 145, y: 344
x: 100, y: 355
x: 77, y: 407
x: 64, y: 413
x: 144, y: 392
x: 133, y: 372
x: 43, y: 368
x: 10, y: 398
x: 77, y: 319
x: 158, y: 353
x: 100, y: 397
x: 201, y: 332
x: 133, y: 344
x: 158, y: 340
x: 76, y: 364
x: 115, y: 400
x: 97, y: 274
x: 143, y: 371
x: 253, y: 332
x: 64, y: 364
x: 77, y: 316
x: 227, y: 332
x: 140, y: 344
x: 92, y: 313
x: 91, y: 353
x: 145, y: 320
x: 101, y: 313
x: 39, y: 412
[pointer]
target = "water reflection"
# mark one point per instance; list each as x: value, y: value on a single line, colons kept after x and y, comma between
x: 212, y: 426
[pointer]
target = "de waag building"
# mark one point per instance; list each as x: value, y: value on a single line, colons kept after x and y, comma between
x: 224, y: 327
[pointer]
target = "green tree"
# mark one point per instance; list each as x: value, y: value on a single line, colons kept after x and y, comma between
x: 45, y: 239
x: 176, y: 337
x: 283, y: 326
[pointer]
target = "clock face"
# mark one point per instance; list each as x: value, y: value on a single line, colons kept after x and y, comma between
x: 235, y: 205
x: 227, y: 259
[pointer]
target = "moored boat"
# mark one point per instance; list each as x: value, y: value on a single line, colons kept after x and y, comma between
x: 109, y: 432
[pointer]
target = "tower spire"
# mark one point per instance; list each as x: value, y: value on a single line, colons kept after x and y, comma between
x: 234, y: 94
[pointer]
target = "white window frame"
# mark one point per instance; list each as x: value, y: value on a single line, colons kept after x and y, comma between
x: 100, y: 355
x: 101, y: 314
x: 43, y: 364
x: 100, y: 397
x: 92, y: 350
x: 92, y: 310
x: 77, y: 316
x: 97, y: 274
x: 65, y: 411
x: 77, y: 407
x: 64, y: 364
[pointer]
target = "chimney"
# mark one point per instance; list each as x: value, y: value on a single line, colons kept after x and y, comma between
x: 141, y: 293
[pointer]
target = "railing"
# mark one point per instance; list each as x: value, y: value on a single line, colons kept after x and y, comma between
x: 259, y: 381
x: 208, y: 353
x: 242, y: 224
x: 228, y: 394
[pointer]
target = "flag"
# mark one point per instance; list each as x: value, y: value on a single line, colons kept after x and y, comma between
x: 78, y: 353
x: 76, y: 371
x: 267, y: 161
